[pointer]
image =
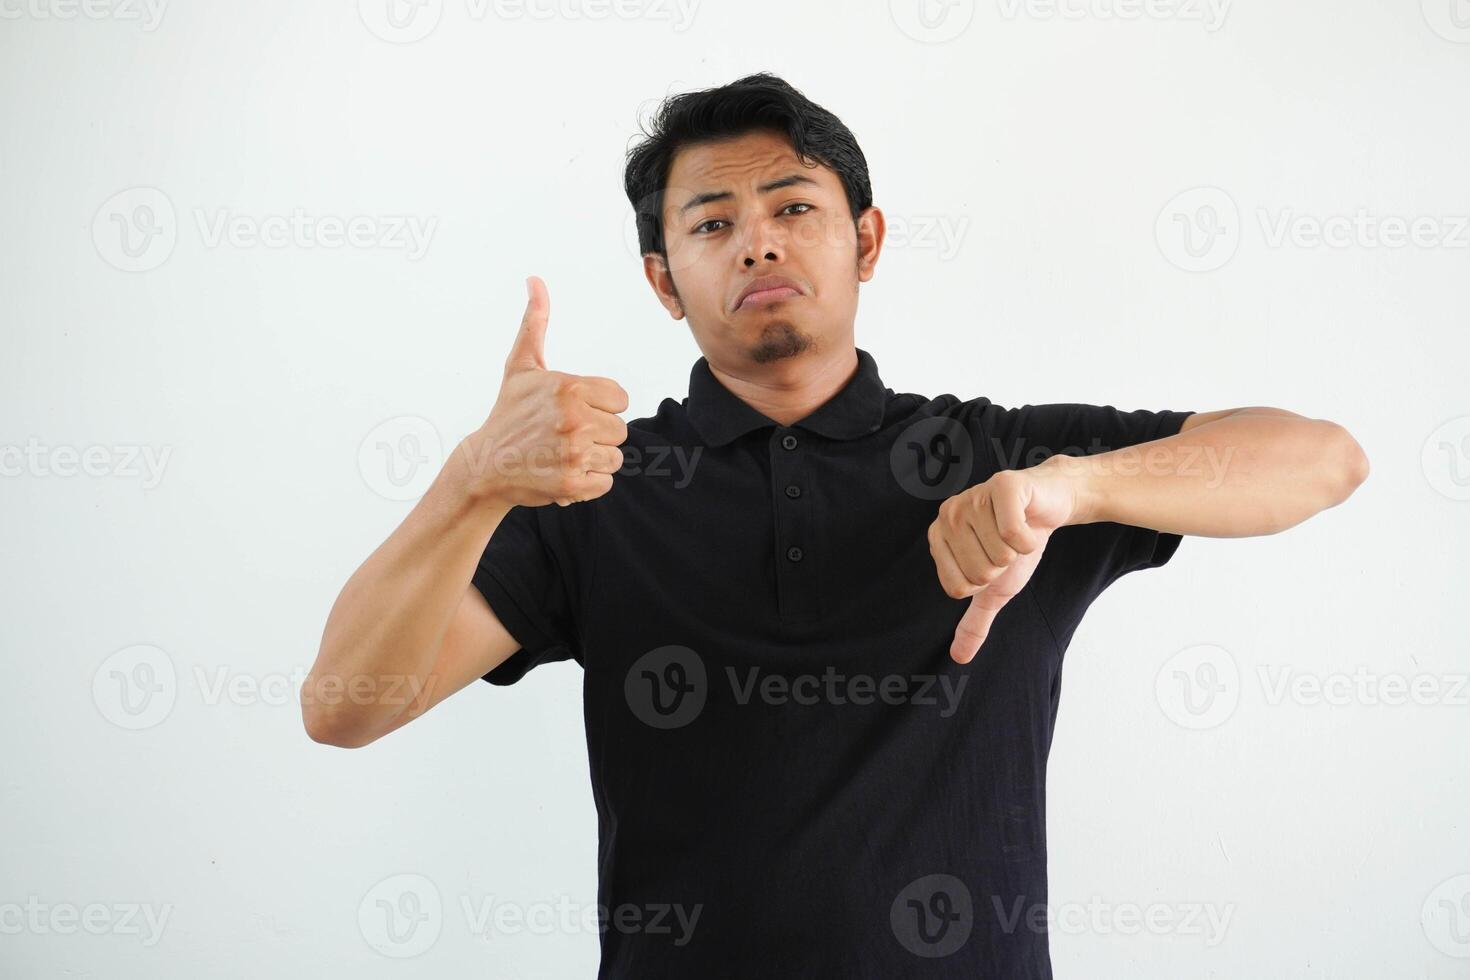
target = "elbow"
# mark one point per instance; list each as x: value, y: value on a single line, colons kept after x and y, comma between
x: 1350, y: 464
x: 321, y: 728
x: 1342, y: 466
x: 326, y: 726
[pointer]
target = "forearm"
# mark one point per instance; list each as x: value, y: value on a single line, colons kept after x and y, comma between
x: 383, y: 634
x: 1256, y: 471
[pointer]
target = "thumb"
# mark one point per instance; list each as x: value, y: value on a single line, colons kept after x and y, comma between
x: 529, y: 350
x: 974, y: 625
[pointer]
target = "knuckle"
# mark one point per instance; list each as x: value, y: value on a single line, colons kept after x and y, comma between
x: 1012, y: 534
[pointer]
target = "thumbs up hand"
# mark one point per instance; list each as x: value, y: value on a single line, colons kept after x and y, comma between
x: 987, y: 541
x: 552, y: 437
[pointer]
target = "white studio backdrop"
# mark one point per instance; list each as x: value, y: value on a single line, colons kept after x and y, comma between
x: 213, y: 407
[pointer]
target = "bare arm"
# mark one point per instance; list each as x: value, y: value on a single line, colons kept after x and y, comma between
x: 409, y: 628
x: 405, y: 632
x: 1242, y: 472
x: 1230, y: 473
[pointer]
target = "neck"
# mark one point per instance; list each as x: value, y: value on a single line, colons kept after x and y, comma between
x: 790, y: 390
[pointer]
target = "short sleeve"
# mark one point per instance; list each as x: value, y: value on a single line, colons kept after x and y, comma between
x: 527, y: 575
x: 1080, y: 560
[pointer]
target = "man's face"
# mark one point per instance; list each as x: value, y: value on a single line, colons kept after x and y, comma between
x: 743, y: 209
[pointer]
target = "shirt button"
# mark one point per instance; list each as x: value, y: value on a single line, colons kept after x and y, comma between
x: 793, y: 554
x: 793, y: 491
x: 788, y: 442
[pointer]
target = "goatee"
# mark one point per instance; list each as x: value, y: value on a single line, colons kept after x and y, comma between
x: 778, y: 341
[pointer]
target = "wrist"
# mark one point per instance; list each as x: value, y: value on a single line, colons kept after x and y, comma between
x: 472, y: 483
x: 1082, y: 478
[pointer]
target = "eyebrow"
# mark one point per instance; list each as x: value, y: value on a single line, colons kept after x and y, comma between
x: 775, y: 185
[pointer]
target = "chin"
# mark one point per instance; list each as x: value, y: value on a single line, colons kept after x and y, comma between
x: 779, y: 341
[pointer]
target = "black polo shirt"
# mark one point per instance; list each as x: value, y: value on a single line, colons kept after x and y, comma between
x: 792, y: 777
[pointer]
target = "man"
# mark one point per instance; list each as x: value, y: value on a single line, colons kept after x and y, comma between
x: 821, y: 623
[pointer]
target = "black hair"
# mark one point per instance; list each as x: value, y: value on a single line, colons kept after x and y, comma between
x: 759, y: 101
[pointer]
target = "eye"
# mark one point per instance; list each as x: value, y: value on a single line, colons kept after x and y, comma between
x: 699, y: 229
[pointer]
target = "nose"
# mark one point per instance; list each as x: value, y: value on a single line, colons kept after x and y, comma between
x: 764, y: 242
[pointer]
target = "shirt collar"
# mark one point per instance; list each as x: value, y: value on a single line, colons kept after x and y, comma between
x: 721, y: 417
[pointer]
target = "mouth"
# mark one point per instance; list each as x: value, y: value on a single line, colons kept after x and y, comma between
x: 765, y: 297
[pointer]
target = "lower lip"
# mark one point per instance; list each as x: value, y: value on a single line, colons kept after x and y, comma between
x: 763, y: 297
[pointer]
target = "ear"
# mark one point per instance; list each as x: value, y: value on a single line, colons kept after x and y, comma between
x: 656, y: 270
x: 870, y: 230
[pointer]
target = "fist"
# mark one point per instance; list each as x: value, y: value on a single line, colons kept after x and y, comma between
x: 552, y: 437
x: 987, y: 541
